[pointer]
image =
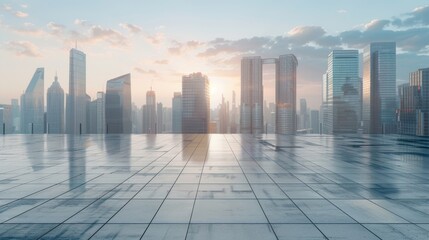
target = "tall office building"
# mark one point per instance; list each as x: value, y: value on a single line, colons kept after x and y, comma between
x: 6, y: 119
x: 252, y: 104
x: 118, y: 105
x: 159, y: 118
x: 315, y: 121
x: 16, y: 115
x: 33, y: 104
x: 177, y: 113
x: 167, y: 119
x: 77, y: 98
x: 55, y: 108
x: 252, y: 96
x: 195, y: 103
x: 324, y: 110
x: 149, y: 113
x: 413, y: 112
x: 286, y: 94
x: 303, y: 116
x: 224, y: 116
x: 234, y: 115
x: 343, y: 95
x: 379, y: 88
x: 97, y: 115
x: 137, y: 119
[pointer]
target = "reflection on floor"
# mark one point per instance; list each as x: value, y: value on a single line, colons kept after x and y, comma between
x: 214, y: 187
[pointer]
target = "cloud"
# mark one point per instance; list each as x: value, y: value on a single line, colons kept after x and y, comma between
x: 21, y: 14
x: 131, y: 27
x: 81, y: 22
x: 156, y: 38
x: 146, y: 72
x: 24, y: 5
x: 22, y: 48
x: 305, y: 34
x: 418, y: 17
x: 55, y: 28
x: 161, y: 62
x: 376, y: 24
x: 342, y: 11
x: 97, y: 34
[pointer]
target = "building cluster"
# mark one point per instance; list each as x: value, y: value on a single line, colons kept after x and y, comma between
x: 359, y: 95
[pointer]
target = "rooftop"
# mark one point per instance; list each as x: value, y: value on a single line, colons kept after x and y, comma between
x: 214, y: 187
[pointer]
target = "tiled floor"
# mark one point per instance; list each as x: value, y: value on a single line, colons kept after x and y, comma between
x: 214, y: 187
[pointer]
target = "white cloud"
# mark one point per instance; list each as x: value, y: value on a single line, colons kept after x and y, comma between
x: 21, y: 14
x: 23, y: 48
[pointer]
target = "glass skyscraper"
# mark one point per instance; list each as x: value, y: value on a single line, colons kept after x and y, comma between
x: 149, y: 113
x: 343, y: 92
x: 177, y: 113
x: 55, y: 108
x: 379, y: 88
x: 195, y: 103
x: 33, y: 104
x: 252, y: 96
x: 118, y: 105
x: 76, y: 118
x: 286, y: 94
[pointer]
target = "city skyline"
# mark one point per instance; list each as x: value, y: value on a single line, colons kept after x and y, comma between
x: 159, y: 52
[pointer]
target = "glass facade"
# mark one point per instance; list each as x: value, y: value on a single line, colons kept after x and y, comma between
x: 33, y: 104
x: 177, y: 113
x: 77, y: 98
x: 343, y: 104
x: 379, y: 88
x: 252, y: 96
x: 55, y: 108
x: 413, y: 112
x: 149, y: 113
x: 286, y: 94
x: 118, y: 105
x: 195, y: 103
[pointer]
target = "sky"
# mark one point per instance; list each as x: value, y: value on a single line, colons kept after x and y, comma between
x: 160, y: 41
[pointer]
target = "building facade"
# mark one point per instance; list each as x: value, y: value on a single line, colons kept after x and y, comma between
x: 195, y: 103
x: 55, y: 108
x: 33, y: 105
x: 177, y: 113
x: 118, y: 105
x: 76, y: 113
x: 379, y: 88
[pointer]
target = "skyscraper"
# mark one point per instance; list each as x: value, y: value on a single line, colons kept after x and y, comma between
x: 379, y: 88
x: 195, y: 103
x: 233, y: 127
x: 286, y: 94
x: 177, y: 113
x: 77, y: 98
x: 224, y: 116
x: 315, y: 121
x: 303, y: 116
x: 6, y: 119
x: 33, y: 104
x: 97, y: 115
x: 159, y: 118
x: 149, y: 113
x: 343, y: 95
x: 16, y: 115
x: 252, y: 96
x: 118, y: 105
x: 55, y: 108
x: 413, y: 112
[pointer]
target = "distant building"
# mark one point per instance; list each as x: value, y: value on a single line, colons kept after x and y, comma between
x: 224, y: 116
x: 286, y: 94
x: 413, y: 112
x: 303, y: 116
x: 6, y: 119
x: 234, y: 115
x: 16, y: 115
x: 149, y: 113
x: 33, y: 105
x: 379, y: 88
x: 343, y: 104
x: 167, y: 119
x: 195, y: 103
x: 177, y: 113
x: 252, y: 96
x: 159, y: 118
x: 97, y: 115
x: 118, y: 105
x: 315, y: 121
x: 55, y: 108
x: 77, y: 101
